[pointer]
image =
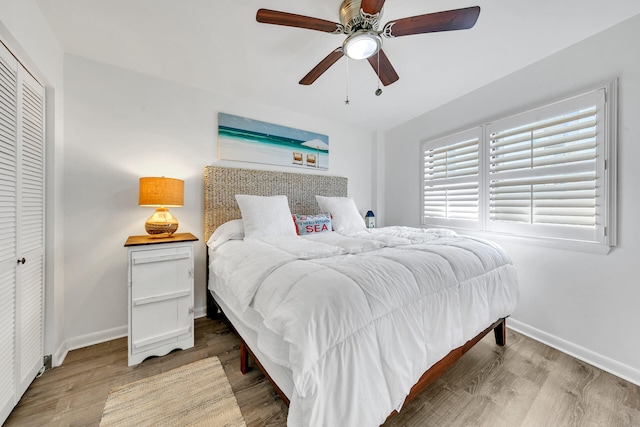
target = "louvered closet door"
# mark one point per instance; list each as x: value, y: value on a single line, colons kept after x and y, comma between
x: 21, y: 230
x: 30, y: 274
x: 8, y: 228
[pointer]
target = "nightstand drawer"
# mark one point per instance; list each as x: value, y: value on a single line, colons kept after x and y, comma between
x: 161, y: 271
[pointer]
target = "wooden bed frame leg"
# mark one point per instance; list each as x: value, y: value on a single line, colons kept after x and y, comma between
x: 244, y: 357
x: 213, y: 311
x: 500, y: 333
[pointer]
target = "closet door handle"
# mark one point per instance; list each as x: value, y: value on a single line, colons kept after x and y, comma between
x: 22, y: 261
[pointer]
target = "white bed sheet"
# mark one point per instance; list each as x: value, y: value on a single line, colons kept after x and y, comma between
x: 363, y: 316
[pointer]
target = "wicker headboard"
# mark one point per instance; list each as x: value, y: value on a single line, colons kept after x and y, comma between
x: 222, y: 184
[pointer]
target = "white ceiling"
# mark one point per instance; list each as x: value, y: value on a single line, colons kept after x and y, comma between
x: 217, y: 45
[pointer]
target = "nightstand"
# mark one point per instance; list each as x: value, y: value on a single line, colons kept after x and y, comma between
x: 160, y: 295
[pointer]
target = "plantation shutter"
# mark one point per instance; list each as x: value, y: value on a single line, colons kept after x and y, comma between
x: 451, y: 180
x: 547, y: 171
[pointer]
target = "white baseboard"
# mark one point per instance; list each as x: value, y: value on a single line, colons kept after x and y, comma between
x: 97, y: 337
x: 200, y: 312
x: 59, y: 355
x: 614, y: 367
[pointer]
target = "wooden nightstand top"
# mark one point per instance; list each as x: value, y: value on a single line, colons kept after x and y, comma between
x: 148, y: 240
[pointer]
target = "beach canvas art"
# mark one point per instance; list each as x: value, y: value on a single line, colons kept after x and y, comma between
x: 249, y: 140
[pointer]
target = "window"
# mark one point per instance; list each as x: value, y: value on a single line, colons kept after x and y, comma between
x: 545, y: 173
x: 451, y: 187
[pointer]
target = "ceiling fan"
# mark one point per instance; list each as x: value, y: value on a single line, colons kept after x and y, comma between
x: 360, y: 20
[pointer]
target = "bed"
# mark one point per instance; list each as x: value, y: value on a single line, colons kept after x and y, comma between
x: 348, y: 325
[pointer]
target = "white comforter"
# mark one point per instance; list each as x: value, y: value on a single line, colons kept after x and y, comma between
x: 365, y: 315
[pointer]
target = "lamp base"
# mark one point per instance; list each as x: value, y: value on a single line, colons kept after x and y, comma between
x: 161, y: 223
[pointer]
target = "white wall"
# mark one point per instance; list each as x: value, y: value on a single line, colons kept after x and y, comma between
x: 28, y: 36
x: 582, y: 303
x: 122, y: 125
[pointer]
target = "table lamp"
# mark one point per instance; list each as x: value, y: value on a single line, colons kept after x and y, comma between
x: 161, y: 193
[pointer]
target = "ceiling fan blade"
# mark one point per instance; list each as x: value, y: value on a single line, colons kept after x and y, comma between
x: 323, y: 66
x: 387, y: 73
x: 372, y: 6
x: 267, y: 16
x: 458, y: 19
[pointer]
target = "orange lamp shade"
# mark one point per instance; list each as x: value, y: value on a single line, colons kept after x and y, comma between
x: 166, y: 192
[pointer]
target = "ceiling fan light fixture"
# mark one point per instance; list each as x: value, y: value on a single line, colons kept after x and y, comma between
x: 359, y: 21
x: 362, y: 44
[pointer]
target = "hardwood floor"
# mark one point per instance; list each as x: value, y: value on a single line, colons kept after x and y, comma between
x: 524, y: 383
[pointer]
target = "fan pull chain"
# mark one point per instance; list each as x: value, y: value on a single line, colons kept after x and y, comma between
x: 346, y: 101
x: 378, y: 91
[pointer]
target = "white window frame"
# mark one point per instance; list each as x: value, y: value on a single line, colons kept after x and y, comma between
x: 602, y: 234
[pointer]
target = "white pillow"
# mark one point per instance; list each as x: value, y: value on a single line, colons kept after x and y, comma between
x: 264, y: 216
x: 344, y: 213
x: 230, y: 230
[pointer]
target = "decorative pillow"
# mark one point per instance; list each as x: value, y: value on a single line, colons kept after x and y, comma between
x: 230, y: 230
x: 310, y: 224
x: 264, y: 216
x: 344, y: 213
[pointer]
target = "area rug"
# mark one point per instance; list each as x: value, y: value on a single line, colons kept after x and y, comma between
x: 197, y: 394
